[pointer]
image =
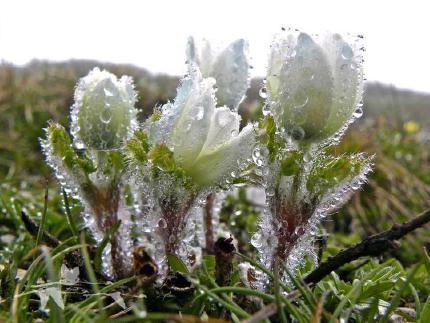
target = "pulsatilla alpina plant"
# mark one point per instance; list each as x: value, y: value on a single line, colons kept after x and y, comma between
x: 313, y: 91
x: 193, y: 147
x: 90, y: 166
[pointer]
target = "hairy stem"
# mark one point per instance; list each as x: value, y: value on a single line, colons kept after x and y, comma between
x: 208, y: 223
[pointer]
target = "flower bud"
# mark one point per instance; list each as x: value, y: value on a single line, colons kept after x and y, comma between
x: 103, y: 115
x: 314, y: 84
x: 229, y: 66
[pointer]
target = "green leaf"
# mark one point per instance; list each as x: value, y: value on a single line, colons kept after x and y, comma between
x: 329, y: 171
x: 162, y: 158
x: 290, y: 165
x: 59, y: 140
x: 268, y: 137
x: 138, y: 147
x: 176, y: 264
x: 425, y: 312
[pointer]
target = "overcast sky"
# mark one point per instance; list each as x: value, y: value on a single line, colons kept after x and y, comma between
x: 152, y: 34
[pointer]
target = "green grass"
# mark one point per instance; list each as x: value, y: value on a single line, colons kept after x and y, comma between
x: 369, y: 289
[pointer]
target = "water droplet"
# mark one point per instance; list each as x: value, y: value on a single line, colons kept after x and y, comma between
x: 162, y: 224
x: 234, y: 133
x: 358, y: 113
x: 300, y: 99
x: 106, y: 116
x: 297, y: 133
x: 200, y: 113
x: 347, y: 52
x: 263, y: 93
x: 256, y: 240
x: 107, y: 92
x: 266, y: 109
x: 256, y: 156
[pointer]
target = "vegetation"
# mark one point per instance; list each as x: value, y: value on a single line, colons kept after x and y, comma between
x: 393, y: 285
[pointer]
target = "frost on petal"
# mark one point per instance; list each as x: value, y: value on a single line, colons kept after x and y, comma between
x: 231, y: 72
x: 211, y: 167
x: 192, y: 124
x: 303, y: 99
x: 346, y: 61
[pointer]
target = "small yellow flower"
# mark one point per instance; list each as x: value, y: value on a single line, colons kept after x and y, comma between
x: 411, y: 127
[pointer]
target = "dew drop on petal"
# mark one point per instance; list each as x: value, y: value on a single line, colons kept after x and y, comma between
x: 162, y: 224
x: 297, y: 133
x: 347, y: 52
x: 256, y: 155
x: 263, y: 93
x: 106, y: 116
x: 358, y: 113
x: 266, y: 110
x: 200, y: 113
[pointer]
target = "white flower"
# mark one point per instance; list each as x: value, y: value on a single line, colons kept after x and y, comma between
x: 314, y: 84
x: 103, y: 115
x: 229, y: 66
x: 205, y: 140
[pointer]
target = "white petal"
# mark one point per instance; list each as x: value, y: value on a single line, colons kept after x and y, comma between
x: 228, y: 65
x: 212, y: 167
x: 195, y: 109
x: 224, y: 125
x: 282, y: 47
x: 346, y: 62
x: 304, y: 96
x: 201, y: 54
x: 231, y: 72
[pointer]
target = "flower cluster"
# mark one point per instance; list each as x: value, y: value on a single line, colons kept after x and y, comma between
x: 147, y: 185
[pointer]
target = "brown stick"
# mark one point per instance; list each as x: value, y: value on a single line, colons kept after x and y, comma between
x: 374, y: 245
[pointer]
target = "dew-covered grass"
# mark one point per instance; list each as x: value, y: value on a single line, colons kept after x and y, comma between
x: 35, y: 284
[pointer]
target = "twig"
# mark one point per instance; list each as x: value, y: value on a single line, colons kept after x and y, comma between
x: 33, y: 229
x: 374, y: 245
x: 72, y: 259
